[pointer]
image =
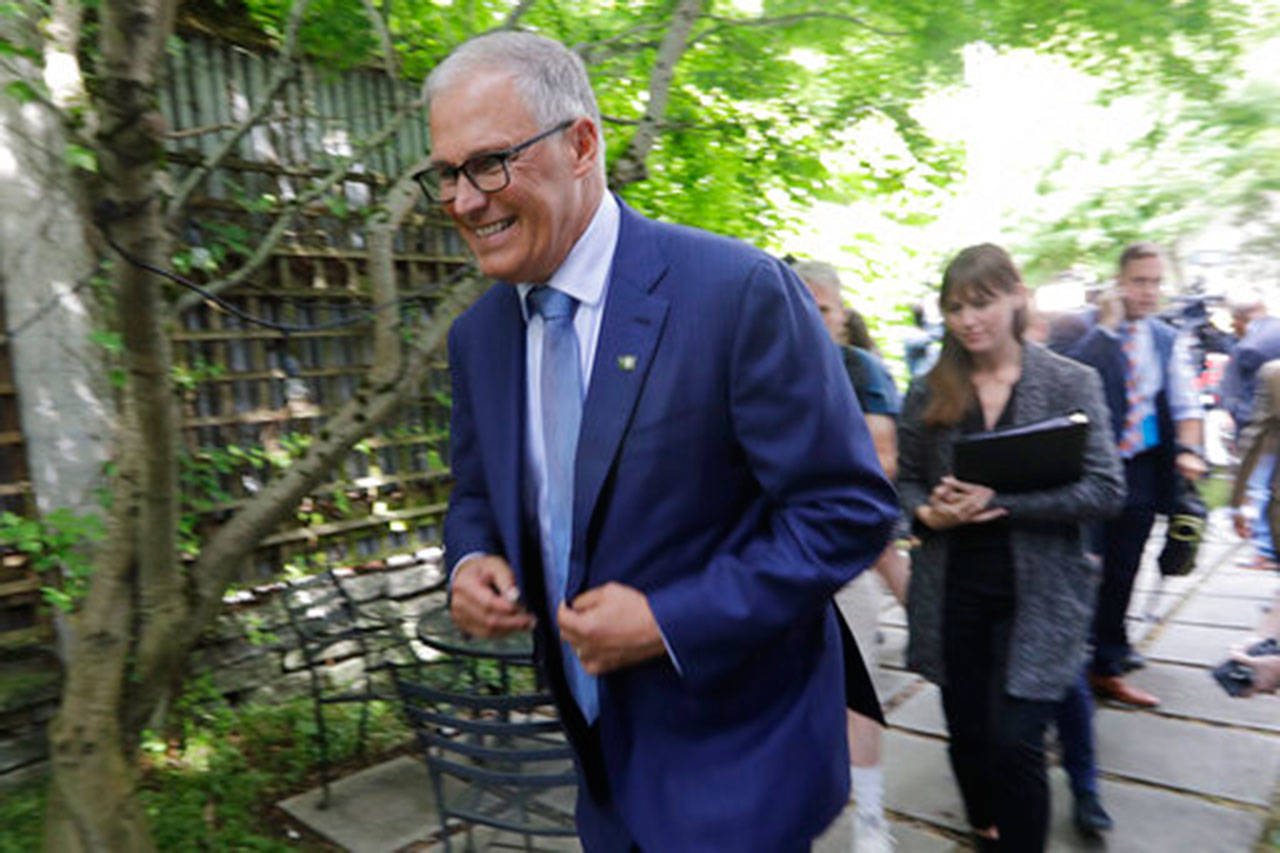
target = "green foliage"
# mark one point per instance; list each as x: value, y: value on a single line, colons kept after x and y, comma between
x: 759, y: 103
x: 1196, y: 163
x: 22, y: 816
x: 187, y: 378
x: 79, y: 157
x: 23, y: 92
x: 57, y: 541
x: 211, y: 781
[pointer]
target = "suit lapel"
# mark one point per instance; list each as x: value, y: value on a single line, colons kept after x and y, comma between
x: 629, y: 334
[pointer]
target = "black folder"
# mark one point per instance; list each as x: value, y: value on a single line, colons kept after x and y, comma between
x: 1040, y: 455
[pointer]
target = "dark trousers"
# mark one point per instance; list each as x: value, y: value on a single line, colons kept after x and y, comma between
x: 997, y: 740
x: 1124, y: 539
x: 1074, y: 719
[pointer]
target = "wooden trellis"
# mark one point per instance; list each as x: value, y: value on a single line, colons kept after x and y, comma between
x: 249, y: 390
x: 269, y: 391
x: 19, y: 586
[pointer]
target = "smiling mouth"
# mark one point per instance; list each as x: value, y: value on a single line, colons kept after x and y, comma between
x: 494, y: 227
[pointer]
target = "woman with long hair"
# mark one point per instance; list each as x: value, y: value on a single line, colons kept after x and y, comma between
x: 1002, y: 594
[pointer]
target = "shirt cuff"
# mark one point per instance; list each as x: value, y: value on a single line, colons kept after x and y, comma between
x: 470, y: 555
x: 675, y: 661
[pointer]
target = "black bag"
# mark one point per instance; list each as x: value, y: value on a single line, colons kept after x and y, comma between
x: 1186, y: 530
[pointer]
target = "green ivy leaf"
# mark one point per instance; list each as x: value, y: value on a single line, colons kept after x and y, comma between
x: 79, y: 157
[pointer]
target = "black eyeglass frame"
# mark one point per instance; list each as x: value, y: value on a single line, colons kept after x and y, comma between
x: 503, y: 156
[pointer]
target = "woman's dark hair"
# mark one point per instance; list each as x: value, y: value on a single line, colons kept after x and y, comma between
x: 855, y: 331
x: 984, y: 270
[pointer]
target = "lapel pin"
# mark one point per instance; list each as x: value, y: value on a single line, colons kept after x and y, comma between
x: 627, y: 362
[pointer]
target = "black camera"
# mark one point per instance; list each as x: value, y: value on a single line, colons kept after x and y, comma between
x: 1236, y: 677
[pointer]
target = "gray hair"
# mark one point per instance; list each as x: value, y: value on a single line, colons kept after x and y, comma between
x: 820, y: 274
x: 1245, y: 300
x: 551, y: 79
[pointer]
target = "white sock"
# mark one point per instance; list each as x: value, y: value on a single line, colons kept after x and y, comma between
x: 868, y: 789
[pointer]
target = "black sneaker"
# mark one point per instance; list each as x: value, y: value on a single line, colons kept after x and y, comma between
x: 1091, y: 818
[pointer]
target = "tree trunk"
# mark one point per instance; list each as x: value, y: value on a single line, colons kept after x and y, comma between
x: 118, y: 642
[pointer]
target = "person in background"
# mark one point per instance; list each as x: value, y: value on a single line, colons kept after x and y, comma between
x: 1257, y: 342
x: 856, y: 333
x: 921, y: 347
x: 1157, y: 424
x: 1074, y: 714
x: 1002, y: 591
x: 659, y: 470
x: 859, y: 600
x: 1259, y: 441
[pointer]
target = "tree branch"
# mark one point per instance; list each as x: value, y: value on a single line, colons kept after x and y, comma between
x: 586, y: 48
x: 516, y: 14
x: 283, y: 73
x: 224, y: 554
x: 388, y: 48
x: 630, y: 167
x: 381, y: 231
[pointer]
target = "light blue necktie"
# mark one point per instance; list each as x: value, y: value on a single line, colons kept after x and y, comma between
x: 561, y: 387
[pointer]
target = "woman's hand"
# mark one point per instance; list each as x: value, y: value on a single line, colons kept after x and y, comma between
x: 954, y: 502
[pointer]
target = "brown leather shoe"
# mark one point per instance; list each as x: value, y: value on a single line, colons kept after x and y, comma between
x: 1115, y: 688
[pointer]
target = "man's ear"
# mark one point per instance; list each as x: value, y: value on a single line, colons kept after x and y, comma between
x: 584, y: 137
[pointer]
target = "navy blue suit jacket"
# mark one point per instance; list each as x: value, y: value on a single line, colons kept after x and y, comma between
x: 724, y: 470
x: 1102, y: 351
x: 1259, y: 345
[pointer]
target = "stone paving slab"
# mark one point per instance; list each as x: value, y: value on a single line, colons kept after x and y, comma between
x: 1209, y: 760
x: 1260, y: 585
x: 890, y: 682
x: 893, y: 649
x: 1220, y: 611
x: 377, y: 810
x: 1149, y: 580
x: 910, y: 839
x: 1197, y: 645
x: 1188, y: 691
x: 896, y: 616
x: 918, y: 780
x: 1165, y: 601
x: 920, y: 784
x: 921, y: 713
x: 1150, y: 820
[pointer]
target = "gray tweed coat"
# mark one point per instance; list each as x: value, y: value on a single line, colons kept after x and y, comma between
x: 1056, y: 585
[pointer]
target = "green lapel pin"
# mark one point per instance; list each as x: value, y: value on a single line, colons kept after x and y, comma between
x: 627, y: 362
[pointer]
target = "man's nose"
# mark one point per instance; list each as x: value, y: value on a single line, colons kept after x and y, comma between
x: 468, y: 198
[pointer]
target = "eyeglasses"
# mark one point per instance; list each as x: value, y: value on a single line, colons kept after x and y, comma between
x: 488, y: 173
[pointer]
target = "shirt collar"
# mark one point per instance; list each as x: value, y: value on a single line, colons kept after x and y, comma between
x: 584, y: 273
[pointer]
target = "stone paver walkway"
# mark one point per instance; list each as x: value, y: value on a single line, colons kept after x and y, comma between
x: 1198, y: 773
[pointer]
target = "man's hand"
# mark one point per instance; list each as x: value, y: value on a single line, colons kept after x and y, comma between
x: 954, y: 502
x: 486, y: 600
x: 1190, y: 465
x: 1266, y: 672
x: 1242, y: 523
x: 1110, y: 309
x: 611, y: 627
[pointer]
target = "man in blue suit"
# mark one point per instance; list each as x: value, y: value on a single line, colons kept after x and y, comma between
x: 659, y: 469
x: 1158, y: 423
